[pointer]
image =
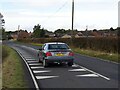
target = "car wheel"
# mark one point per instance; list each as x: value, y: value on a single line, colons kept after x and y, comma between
x: 70, y: 64
x: 45, y: 64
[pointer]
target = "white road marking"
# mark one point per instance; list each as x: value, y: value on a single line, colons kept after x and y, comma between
x: 32, y: 61
x: 95, y: 73
x: 28, y: 59
x: 35, y: 64
x: 77, y: 70
x: 74, y: 65
x: 36, y: 67
x: 88, y: 75
x: 26, y: 55
x: 40, y: 71
x: 45, y: 77
x: 34, y: 80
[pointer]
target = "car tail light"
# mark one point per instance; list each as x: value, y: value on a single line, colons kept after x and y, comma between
x: 48, y: 54
x: 71, y: 54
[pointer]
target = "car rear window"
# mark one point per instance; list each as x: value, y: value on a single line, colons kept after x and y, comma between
x: 58, y: 46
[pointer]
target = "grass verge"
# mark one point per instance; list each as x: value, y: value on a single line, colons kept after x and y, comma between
x: 107, y: 56
x: 36, y: 44
x: 13, y: 73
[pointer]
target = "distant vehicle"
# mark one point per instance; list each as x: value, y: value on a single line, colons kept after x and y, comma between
x: 55, y: 52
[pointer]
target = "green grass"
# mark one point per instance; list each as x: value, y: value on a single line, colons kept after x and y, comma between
x: 98, y: 54
x: 13, y: 73
x: 36, y: 44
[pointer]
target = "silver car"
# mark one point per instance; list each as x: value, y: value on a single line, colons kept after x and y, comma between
x: 55, y: 52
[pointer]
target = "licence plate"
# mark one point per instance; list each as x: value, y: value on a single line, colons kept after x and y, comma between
x: 59, y: 54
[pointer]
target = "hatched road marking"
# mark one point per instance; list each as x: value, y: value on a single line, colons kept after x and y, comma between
x: 35, y: 64
x: 32, y: 61
x: 36, y: 67
x: 40, y: 71
x: 77, y: 70
x: 88, y: 75
x: 28, y: 59
x: 45, y: 77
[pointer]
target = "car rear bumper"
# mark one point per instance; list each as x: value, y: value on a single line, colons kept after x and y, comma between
x: 56, y: 59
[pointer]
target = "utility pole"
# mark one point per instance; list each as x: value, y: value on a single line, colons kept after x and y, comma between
x: 87, y: 31
x: 87, y: 36
x: 72, y: 33
x: 18, y: 27
x: 72, y: 17
x: 18, y: 31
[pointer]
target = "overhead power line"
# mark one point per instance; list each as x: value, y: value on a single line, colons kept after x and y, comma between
x: 58, y: 10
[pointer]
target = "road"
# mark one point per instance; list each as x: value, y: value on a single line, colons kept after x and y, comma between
x: 87, y: 72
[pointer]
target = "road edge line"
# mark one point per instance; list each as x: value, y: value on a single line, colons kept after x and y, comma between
x: 34, y: 80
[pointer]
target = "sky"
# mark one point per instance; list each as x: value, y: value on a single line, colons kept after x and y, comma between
x: 57, y: 14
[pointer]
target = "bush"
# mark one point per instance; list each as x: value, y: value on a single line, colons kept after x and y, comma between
x: 107, y: 44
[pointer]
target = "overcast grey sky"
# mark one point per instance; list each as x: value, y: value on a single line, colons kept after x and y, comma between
x: 55, y: 14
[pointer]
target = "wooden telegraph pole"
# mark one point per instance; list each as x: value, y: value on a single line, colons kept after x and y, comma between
x: 72, y: 16
x: 72, y: 32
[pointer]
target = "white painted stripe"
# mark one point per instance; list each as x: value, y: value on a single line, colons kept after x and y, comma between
x: 40, y: 71
x: 95, y: 73
x: 36, y: 67
x: 29, y: 58
x: 34, y: 80
x: 35, y: 64
x: 88, y: 75
x: 26, y: 56
x: 77, y: 70
x: 45, y: 77
x: 74, y: 65
x: 32, y: 61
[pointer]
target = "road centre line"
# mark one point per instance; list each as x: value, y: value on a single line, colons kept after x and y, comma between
x: 95, y: 73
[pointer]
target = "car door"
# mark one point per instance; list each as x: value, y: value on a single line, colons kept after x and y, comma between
x: 42, y: 54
